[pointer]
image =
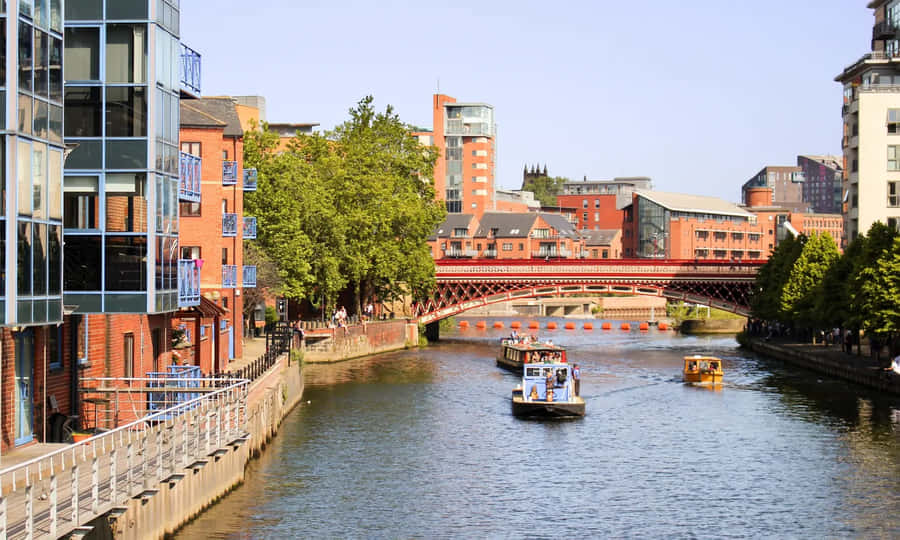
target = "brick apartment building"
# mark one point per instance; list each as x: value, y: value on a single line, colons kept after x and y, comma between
x: 506, y: 235
x: 599, y: 204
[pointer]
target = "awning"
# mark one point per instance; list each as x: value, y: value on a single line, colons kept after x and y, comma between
x: 207, y: 310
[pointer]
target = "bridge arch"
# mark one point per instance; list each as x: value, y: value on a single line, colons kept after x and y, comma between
x: 454, y: 299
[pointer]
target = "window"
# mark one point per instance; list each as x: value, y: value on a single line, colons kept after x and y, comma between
x: 83, y: 111
x: 189, y: 209
x: 605, y: 253
x: 126, y: 53
x: 25, y: 56
x: 893, y: 122
x: 225, y: 256
x: 54, y: 347
x: 81, y: 338
x: 521, y: 246
x: 893, y: 158
x: 460, y: 232
x: 584, y: 203
x: 701, y: 235
x: 128, y: 354
x: 126, y: 9
x: 507, y: 246
x: 126, y: 111
x: 192, y: 148
x: 584, y: 216
x: 125, y: 266
x: 596, y: 203
x: 190, y: 252
x: 894, y: 194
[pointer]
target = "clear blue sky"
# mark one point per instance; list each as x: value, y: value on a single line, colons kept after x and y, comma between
x: 698, y: 94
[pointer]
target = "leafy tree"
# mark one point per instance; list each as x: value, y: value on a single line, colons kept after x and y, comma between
x: 879, y: 295
x: 765, y: 300
x: 833, y: 303
x: 268, y: 281
x: 545, y: 188
x: 804, y: 284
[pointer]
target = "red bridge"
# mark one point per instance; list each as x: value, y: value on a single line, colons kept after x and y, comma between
x: 467, y: 284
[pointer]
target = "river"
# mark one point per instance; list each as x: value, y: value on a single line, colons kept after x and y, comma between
x: 421, y: 444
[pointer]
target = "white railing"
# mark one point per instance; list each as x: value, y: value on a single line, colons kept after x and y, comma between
x: 54, y: 494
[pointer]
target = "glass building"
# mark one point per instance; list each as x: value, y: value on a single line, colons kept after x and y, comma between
x: 122, y: 85
x: 32, y: 156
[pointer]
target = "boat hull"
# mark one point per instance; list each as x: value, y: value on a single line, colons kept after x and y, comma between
x: 703, y: 378
x: 510, y: 365
x: 547, y: 409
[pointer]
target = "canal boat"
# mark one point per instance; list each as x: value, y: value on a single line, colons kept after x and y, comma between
x: 547, y: 391
x: 515, y: 353
x: 703, y: 370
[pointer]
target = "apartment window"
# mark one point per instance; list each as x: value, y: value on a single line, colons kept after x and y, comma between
x: 701, y: 235
x: 584, y: 216
x: 605, y: 253
x: 596, y: 203
x: 460, y: 232
x: 596, y: 216
x: 192, y: 148
x: 894, y: 194
x: 126, y: 52
x: 225, y: 256
x: 224, y: 155
x: 80, y: 202
x: 893, y: 158
x: 893, y: 122
x: 190, y: 252
x: 126, y: 111
x: 54, y: 347
x: 507, y: 246
x: 83, y: 111
x: 521, y: 246
x: 189, y: 209
x: 584, y: 203
x: 128, y: 354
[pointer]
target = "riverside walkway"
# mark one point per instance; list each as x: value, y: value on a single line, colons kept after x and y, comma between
x: 830, y: 359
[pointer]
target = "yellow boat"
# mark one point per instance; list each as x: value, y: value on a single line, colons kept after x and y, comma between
x: 703, y: 370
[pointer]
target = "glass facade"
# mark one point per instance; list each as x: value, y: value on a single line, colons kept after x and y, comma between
x: 653, y: 229
x: 121, y: 180
x: 31, y: 161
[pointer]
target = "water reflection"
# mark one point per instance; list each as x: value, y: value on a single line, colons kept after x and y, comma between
x: 422, y: 444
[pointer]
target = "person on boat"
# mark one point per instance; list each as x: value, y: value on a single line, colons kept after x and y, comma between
x: 576, y: 378
x: 549, y: 381
x: 692, y: 366
x: 713, y: 366
x: 534, y: 393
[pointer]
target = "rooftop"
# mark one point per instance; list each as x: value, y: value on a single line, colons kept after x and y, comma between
x: 694, y: 204
x: 603, y: 237
x: 212, y: 112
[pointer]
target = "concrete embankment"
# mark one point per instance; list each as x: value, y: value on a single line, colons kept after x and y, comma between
x: 337, y: 344
x: 712, y: 326
x: 828, y: 360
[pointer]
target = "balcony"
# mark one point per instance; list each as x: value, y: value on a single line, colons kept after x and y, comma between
x: 884, y: 30
x: 229, y: 173
x: 249, y: 276
x: 249, y: 228
x: 551, y: 253
x: 460, y: 253
x: 250, y: 178
x: 229, y: 225
x: 229, y: 276
x: 190, y: 71
x: 189, y: 182
x: 188, y: 282
x: 490, y: 254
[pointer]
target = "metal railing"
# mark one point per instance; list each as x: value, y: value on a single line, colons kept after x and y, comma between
x: 189, y: 180
x: 250, y: 179
x: 249, y: 228
x: 190, y: 70
x: 249, y: 276
x: 279, y: 339
x: 453, y: 252
x: 229, y: 276
x: 229, y: 225
x: 229, y: 173
x: 188, y: 283
x: 53, y: 494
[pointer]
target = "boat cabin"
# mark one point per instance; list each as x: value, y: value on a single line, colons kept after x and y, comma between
x: 537, y: 379
x: 702, y: 369
x: 533, y: 353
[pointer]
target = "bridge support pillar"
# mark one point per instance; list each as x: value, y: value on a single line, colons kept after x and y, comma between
x: 433, y: 331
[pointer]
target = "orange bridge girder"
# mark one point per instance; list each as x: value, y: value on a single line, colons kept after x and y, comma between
x: 467, y: 284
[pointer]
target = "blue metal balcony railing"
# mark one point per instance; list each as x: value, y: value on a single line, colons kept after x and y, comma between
x: 189, y: 185
x: 249, y: 276
x: 229, y: 173
x: 188, y: 282
x: 249, y: 228
x: 190, y: 70
x: 250, y: 178
x: 229, y: 225
x: 229, y: 276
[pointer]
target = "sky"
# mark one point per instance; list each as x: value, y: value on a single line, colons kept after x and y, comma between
x: 699, y: 95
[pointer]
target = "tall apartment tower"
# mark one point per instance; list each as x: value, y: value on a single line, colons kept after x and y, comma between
x: 122, y: 87
x: 464, y: 172
x: 871, y: 137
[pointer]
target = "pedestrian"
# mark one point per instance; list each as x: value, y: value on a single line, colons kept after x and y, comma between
x: 576, y: 377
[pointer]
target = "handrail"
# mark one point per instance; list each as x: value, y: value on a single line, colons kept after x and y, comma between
x: 242, y: 384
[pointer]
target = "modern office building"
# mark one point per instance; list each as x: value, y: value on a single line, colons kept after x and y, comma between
x: 871, y: 135
x: 785, y: 183
x: 600, y: 203
x: 822, y: 183
x: 465, y: 169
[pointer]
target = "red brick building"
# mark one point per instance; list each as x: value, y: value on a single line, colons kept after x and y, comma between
x: 506, y: 235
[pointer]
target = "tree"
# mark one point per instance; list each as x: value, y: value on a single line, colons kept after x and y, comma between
x: 268, y: 282
x: 545, y: 189
x: 765, y: 300
x: 833, y: 303
x: 804, y: 283
x: 879, y: 295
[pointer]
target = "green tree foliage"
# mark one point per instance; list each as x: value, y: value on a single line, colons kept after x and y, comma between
x: 268, y: 281
x: 879, y: 293
x: 545, y: 188
x: 347, y: 210
x: 765, y: 300
x: 833, y: 303
x: 805, y: 279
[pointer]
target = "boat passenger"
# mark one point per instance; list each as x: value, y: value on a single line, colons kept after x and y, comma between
x: 576, y: 378
x: 692, y: 366
x: 534, y: 393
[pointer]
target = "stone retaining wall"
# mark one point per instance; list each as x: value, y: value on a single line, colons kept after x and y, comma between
x: 336, y: 344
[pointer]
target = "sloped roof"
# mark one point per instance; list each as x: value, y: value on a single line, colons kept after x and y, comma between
x: 695, y: 204
x: 603, y: 237
x: 561, y: 224
x: 453, y: 221
x: 508, y: 224
x: 201, y: 112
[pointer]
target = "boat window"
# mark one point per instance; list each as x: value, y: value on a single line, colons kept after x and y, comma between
x: 532, y: 372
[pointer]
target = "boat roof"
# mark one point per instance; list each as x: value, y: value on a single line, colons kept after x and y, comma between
x: 534, y: 346
x: 701, y: 357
